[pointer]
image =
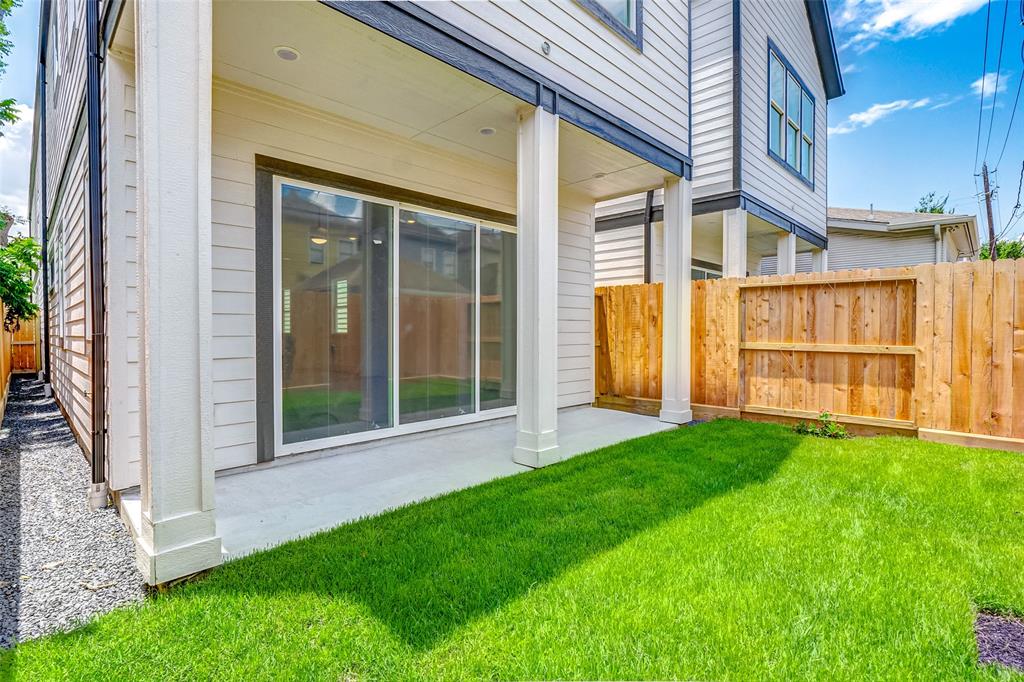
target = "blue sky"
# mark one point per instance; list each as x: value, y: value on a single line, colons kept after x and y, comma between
x: 907, y: 126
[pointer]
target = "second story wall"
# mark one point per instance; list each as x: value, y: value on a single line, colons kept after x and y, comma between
x: 712, y: 97
x: 647, y: 86
x: 784, y: 23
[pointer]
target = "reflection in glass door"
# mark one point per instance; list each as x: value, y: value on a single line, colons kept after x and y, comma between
x: 335, y: 306
x: 436, y: 316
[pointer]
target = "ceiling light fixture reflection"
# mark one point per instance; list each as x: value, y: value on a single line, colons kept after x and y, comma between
x: 319, y: 241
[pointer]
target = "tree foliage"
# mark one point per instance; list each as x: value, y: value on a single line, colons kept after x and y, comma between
x: 931, y: 203
x: 1004, y: 249
x: 8, y: 107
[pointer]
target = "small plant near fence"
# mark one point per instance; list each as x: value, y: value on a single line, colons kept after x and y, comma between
x: 825, y: 426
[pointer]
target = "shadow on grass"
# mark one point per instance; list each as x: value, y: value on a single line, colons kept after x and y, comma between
x: 427, y: 569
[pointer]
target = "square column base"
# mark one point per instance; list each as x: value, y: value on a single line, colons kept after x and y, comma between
x: 676, y: 416
x: 180, y: 560
x: 536, y: 450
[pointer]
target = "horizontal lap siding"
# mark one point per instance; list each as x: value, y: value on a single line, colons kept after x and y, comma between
x: 847, y: 250
x: 121, y: 265
x: 65, y: 89
x: 70, y: 364
x: 619, y: 256
x: 648, y: 89
x: 712, y: 97
x: 785, y: 23
x: 248, y: 122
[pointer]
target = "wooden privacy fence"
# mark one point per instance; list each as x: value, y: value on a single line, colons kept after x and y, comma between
x: 934, y: 349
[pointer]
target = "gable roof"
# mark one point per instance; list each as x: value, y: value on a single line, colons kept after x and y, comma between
x: 825, y: 47
x: 894, y: 219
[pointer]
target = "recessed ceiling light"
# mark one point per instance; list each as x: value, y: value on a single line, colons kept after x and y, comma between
x: 289, y: 54
x: 487, y: 131
x: 598, y: 176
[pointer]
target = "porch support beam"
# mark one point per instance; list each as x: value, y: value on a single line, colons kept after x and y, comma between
x: 734, y: 243
x: 678, y: 235
x: 177, y: 534
x: 819, y: 260
x: 787, y: 254
x: 537, y: 298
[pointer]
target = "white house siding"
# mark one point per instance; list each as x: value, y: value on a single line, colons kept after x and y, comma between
x: 121, y: 271
x: 619, y: 253
x: 649, y: 89
x: 248, y: 122
x: 785, y: 23
x: 69, y: 345
x: 619, y: 256
x: 65, y: 88
x: 712, y: 97
x: 847, y: 250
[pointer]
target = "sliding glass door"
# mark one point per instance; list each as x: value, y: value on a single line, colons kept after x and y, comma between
x: 436, y: 316
x: 335, y: 313
x: 388, y: 316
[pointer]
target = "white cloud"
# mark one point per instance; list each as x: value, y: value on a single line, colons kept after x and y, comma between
x: 945, y: 101
x: 991, y: 83
x: 850, y: 68
x: 15, y: 162
x: 869, y: 21
x: 875, y: 113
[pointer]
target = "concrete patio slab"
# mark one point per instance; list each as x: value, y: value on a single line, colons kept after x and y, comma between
x: 265, y: 506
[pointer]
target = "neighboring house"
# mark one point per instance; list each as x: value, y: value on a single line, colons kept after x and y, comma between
x: 763, y: 74
x: 866, y: 238
x: 284, y: 228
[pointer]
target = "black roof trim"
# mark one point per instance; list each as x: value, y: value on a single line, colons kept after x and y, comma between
x: 825, y: 47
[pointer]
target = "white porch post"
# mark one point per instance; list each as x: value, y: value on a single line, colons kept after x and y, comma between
x: 786, y: 262
x: 819, y: 260
x: 675, y: 360
x: 537, y: 296
x: 734, y: 243
x: 174, y: 76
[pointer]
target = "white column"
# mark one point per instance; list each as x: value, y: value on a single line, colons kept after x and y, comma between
x: 819, y: 260
x: 537, y: 296
x: 675, y: 352
x: 174, y: 78
x: 734, y: 243
x: 786, y: 262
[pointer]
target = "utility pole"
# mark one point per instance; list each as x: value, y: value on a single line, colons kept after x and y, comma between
x: 988, y: 210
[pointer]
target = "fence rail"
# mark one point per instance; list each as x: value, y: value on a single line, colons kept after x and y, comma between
x: 934, y: 349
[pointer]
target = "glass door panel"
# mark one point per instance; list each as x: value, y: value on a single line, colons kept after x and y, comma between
x: 336, y: 314
x: 436, y: 316
x: 497, y: 318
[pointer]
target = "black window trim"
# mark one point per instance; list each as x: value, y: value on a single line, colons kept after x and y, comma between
x: 773, y: 50
x: 634, y: 37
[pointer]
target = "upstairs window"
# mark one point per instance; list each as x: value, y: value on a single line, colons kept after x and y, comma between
x: 790, y: 117
x: 625, y: 17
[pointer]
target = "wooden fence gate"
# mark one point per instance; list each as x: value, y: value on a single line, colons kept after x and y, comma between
x: 936, y: 350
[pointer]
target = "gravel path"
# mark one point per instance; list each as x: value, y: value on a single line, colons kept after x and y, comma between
x: 1000, y: 640
x: 60, y: 564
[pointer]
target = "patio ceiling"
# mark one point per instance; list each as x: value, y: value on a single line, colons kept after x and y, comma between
x: 353, y: 71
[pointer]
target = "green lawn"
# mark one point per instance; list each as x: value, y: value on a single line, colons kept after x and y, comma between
x: 727, y: 550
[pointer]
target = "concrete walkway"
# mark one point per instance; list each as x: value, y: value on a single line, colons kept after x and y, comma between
x: 262, y: 507
x: 60, y: 564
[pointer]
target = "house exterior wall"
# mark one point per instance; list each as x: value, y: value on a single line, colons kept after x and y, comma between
x: 66, y: 173
x: 785, y: 23
x: 118, y: 136
x: 619, y: 253
x: 712, y: 97
x: 648, y: 88
x: 249, y: 122
x: 848, y: 250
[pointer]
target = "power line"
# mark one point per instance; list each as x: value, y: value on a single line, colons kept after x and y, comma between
x: 1016, y: 100
x: 999, y: 66
x: 984, y: 71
